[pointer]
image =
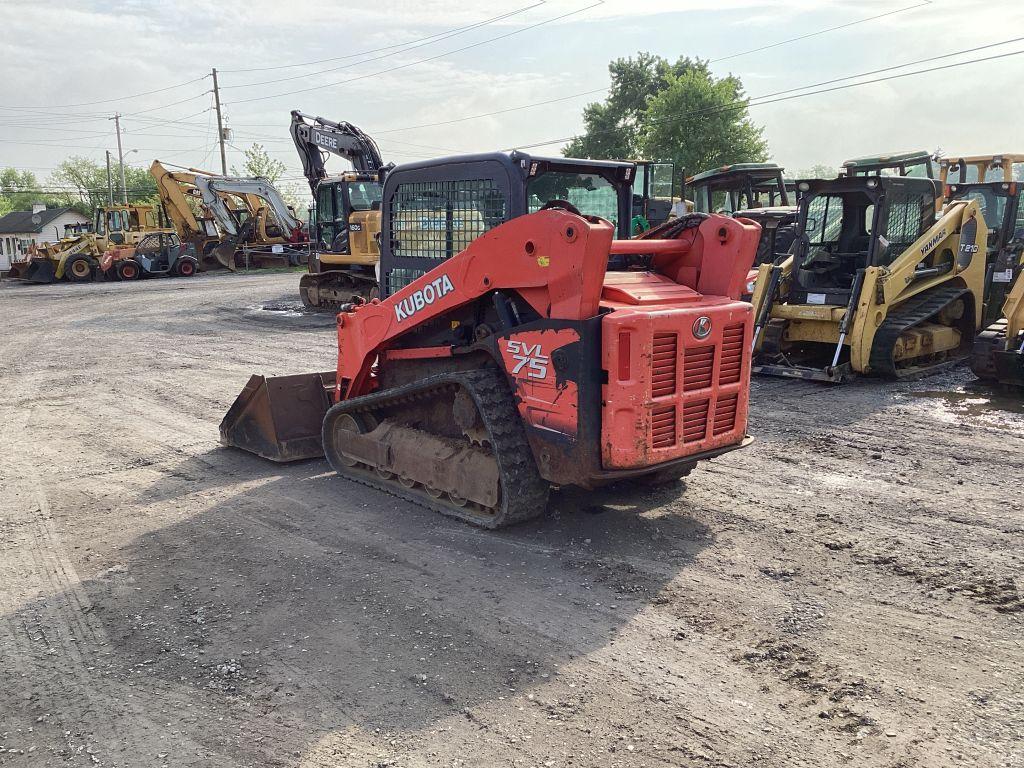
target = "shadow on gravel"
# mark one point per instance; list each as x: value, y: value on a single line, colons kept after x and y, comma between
x: 309, y: 605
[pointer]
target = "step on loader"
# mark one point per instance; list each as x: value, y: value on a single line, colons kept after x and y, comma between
x: 875, y: 285
x: 495, y: 368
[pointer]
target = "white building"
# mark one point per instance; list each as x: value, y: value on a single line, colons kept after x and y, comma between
x: 18, y: 230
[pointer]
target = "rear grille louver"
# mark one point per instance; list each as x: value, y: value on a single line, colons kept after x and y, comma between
x: 731, y: 366
x: 663, y: 426
x: 695, y: 421
x: 698, y: 366
x: 663, y: 364
x: 725, y: 415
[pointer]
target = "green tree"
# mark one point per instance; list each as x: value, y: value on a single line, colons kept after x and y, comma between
x: 819, y: 171
x: 83, y: 184
x: 19, y: 190
x: 667, y: 111
x: 259, y: 163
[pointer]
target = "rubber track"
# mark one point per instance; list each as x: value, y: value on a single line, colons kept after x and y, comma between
x: 524, y: 494
x: 912, y: 312
x: 986, y: 345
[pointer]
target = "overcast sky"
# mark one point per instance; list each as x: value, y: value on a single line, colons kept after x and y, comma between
x: 62, y: 57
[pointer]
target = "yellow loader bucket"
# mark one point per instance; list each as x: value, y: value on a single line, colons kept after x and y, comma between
x: 280, y: 418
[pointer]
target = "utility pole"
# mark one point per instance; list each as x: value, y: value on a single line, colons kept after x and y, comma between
x: 220, y: 125
x: 110, y: 184
x: 120, y: 155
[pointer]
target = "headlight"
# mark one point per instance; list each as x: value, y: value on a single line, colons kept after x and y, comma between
x: 750, y: 286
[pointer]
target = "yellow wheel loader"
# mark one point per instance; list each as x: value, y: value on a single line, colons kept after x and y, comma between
x: 119, y: 225
x: 74, y: 258
x: 875, y: 284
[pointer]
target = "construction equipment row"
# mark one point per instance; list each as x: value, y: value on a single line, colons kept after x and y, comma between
x: 208, y: 221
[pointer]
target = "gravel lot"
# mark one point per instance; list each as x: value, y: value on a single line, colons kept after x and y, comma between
x: 843, y: 592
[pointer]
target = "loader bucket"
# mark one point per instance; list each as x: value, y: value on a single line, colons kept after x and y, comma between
x: 280, y: 418
x: 40, y: 271
x: 224, y: 253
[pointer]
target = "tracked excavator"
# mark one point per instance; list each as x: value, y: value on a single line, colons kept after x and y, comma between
x: 992, y: 181
x: 875, y: 284
x: 506, y: 356
x: 346, y: 215
x: 218, y: 215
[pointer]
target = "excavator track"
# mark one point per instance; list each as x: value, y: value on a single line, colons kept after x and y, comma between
x: 912, y: 312
x: 312, y: 287
x: 496, y: 447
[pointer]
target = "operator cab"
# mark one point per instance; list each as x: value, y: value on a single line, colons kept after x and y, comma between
x: 917, y: 164
x: 992, y: 182
x: 755, y: 191
x: 850, y: 223
x: 738, y: 187
x: 337, y: 198
x: 653, y: 195
x: 434, y: 209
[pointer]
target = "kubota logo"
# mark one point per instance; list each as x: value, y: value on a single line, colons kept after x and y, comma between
x: 424, y: 297
x: 702, y: 327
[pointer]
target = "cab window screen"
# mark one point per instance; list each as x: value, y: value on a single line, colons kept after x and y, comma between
x: 590, y: 193
x: 908, y: 220
x: 438, y: 219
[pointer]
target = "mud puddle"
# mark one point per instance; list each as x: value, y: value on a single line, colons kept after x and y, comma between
x: 975, y: 402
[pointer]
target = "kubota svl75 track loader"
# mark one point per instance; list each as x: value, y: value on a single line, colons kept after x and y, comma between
x: 521, y: 361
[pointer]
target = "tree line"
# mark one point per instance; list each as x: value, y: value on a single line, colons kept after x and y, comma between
x: 80, y: 183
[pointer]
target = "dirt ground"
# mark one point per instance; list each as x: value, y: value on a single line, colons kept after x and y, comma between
x: 843, y: 592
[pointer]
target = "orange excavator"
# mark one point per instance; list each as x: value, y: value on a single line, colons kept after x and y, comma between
x: 519, y: 361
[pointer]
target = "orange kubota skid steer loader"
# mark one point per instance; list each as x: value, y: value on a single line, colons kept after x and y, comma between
x: 489, y: 373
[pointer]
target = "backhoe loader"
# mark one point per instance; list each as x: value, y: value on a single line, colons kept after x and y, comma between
x: 76, y: 256
x: 505, y: 355
x: 875, y: 284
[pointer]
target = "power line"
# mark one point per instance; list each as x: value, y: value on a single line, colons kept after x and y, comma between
x: 367, y: 52
x: 113, y: 99
x: 410, y: 47
x: 423, y: 61
x: 607, y: 88
x: 847, y: 25
x: 758, y: 101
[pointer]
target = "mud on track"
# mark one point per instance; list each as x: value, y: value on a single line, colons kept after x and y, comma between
x: 844, y: 592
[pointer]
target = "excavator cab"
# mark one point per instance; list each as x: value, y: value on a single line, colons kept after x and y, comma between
x: 917, y: 164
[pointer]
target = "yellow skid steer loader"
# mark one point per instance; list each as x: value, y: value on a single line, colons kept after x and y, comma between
x: 876, y: 283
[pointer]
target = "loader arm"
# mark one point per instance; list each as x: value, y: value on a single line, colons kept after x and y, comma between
x: 946, y: 235
x: 1013, y: 310
x: 315, y: 135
